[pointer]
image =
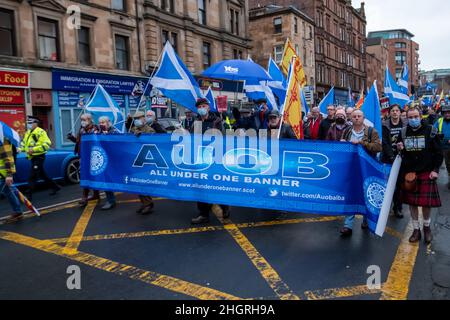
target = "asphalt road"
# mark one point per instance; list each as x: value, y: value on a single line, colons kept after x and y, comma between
x: 256, y: 254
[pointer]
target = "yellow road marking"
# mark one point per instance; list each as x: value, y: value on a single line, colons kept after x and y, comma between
x: 393, y: 232
x: 202, y: 229
x: 77, y: 233
x: 339, y: 293
x: 149, y: 277
x: 269, y: 274
x: 397, y: 284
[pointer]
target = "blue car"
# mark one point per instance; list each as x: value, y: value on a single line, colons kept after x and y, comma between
x: 58, y: 165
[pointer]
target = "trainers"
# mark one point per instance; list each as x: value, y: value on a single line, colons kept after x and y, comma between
x: 346, y: 232
x: 200, y: 220
x: 108, y: 206
x: 416, y: 236
x: 147, y: 209
x: 55, y: 191
x: 428, y: 237
x: 17, y: 215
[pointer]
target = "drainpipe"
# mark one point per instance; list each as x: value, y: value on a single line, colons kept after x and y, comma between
x: 138, y: 29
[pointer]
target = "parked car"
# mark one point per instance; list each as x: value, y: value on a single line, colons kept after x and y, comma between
x: 59, y: 165
x: 169, y: 124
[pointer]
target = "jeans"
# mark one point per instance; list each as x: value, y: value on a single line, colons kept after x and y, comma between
x: 13, y: 200
x: 349, y: 220
x: 110, y: 197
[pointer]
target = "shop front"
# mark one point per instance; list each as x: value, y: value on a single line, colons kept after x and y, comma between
x: 13, y: 88
x: 71, y: 91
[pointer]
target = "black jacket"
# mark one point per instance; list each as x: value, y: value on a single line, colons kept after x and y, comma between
x: 325, y: 125
x: 389, y: 147
x: 212, y: 122
x: 423, y: 151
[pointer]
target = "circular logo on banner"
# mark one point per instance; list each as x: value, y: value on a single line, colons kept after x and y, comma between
x: 374, y: 190
x: 99, y: 161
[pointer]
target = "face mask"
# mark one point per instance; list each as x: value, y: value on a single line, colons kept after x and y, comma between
x: 415, y: 123
x: 138, y: 123
x: 84, y: 124
x: 340, y: 121
x: 202, y: 112
x: 103, y: 128
x: 29, y: 126
x: 149, y: 120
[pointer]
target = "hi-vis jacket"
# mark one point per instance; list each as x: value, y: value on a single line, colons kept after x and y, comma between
x: 7, y: 167
x: 37, y: 140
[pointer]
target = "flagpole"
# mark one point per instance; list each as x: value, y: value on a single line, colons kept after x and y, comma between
x: 148, y: 83
x: 83, y: 111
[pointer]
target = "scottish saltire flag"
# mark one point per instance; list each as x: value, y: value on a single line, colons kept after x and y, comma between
x: 372, y: 108
x: 305, y: 107
x: 326, y: 101
x: 212, y: 101
x: 175, y: 81
x: 350, y: 101
x: 10, y: 134
x: 255, y: 89
x: 403, y: 81
x: 279, y: 84
x: 102, y: 104
x: 393, y: 92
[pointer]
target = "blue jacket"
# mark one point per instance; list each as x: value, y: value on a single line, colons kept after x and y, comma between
x: 443, y: 127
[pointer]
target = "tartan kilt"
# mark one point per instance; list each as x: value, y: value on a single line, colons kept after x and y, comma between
x: 427, y: 194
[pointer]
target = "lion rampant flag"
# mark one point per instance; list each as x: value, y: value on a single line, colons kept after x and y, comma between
x: 441, y: 99
x: 288, y: 54
x: 292, y: 111
x: 360, y: 102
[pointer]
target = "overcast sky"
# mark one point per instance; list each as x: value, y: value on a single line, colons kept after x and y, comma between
x: 428, y: 20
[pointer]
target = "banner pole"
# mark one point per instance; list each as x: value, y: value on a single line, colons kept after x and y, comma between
x: 388, y: 196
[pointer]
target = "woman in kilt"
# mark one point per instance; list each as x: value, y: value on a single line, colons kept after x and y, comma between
x: 422, y: 156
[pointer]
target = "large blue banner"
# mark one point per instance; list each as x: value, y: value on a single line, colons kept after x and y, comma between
x: 330, y: 178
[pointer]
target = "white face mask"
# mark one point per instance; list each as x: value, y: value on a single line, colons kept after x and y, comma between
x: 29, y: 126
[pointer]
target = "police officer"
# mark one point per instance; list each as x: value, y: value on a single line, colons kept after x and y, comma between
x: 7, y: 169
x: 36, y: 144
x: 141, y: 126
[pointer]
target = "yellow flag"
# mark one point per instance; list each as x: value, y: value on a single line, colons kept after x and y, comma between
x: 441, y: 98
x: 292, y: 112
x: 360, y: 103
x: 288, y: 54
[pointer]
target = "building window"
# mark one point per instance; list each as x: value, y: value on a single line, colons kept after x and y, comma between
x: 8, y: 47
x: 48, y: 39
x: 172, y: 37
x: 401, y: 45
x: 234, y: 21
x: 122, y: 54
x: 206, y: 55
x: 118, y: 5
x: 202, y: 12
x: 168, y: 5
x: 237, y: 54
x: 84, y: 47
x: 278, y: 25
x: 400, y: 58
x: 310, y: 33
x: 295, y: 25
x: 278, y: 53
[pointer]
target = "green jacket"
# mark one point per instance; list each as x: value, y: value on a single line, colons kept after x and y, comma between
x: 37, y: 140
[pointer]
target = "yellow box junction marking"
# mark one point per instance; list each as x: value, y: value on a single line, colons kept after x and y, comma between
x: 397, y: 284
x: 149, y: 277
x: 78, y: 232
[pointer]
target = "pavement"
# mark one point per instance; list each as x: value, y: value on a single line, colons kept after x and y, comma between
x: 256, y: 254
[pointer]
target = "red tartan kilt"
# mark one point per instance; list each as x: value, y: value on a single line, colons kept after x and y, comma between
x: 427, y: 194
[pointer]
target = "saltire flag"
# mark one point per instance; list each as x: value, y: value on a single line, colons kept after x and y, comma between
x: 403, y: 81
x: 175, y: 81
x: 279, y: 84
x: 7, y: 133
x: 372, y: 108
x: 350, y: 100
x: 288, y: 54
x: 305, y: 106
x: 360, y: 102
x: 255, y: 90
x: 292, y: 108
x: 212, y: 101
x: 326, y: 101
x: 102, y: 104
x: 24, y: 200
x: 393, y: 92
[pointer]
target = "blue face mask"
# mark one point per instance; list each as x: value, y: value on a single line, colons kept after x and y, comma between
x: 202, y: 112
x: 414, y: 123
x: 29, y: 126
x: 138, y: 123
x: 149, y: 120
